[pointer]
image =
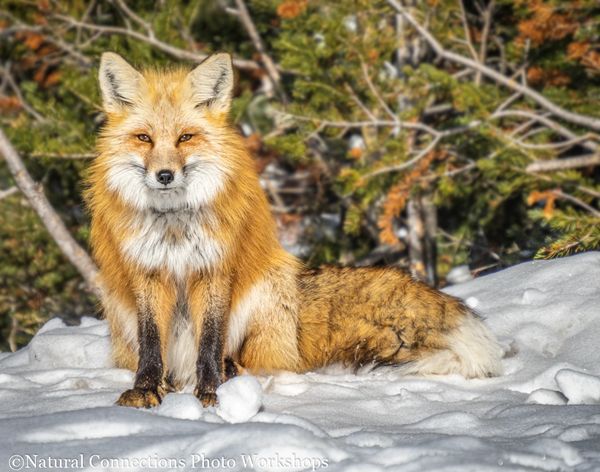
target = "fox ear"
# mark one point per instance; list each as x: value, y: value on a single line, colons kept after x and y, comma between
x: 119, y: 82
x: 212, y: 82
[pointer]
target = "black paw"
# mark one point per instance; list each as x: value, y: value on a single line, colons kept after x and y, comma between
x: 206, y: 398
x: 140, y: 398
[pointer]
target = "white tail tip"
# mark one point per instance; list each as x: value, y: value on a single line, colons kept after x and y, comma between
x: 472, y: 352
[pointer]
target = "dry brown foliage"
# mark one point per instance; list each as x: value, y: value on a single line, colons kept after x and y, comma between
x: 291, y: 8
x: 545, y: 25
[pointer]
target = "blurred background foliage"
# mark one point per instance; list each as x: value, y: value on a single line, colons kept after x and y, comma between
x: 372, y: 147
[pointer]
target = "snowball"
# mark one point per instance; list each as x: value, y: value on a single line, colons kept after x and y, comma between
x: 239, y: 399
x: 183, y: 406
x: 578, y: 387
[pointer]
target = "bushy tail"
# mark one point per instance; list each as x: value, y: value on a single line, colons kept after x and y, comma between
x: 472, y: 352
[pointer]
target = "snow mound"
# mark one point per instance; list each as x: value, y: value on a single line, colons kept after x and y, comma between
x: 57, y: 399
x: 543, y: 396
x: 578, y: 387
x: 57, y: 345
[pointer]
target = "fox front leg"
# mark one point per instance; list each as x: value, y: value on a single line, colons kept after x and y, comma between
x: 211, y: 324
x: 148, y: 388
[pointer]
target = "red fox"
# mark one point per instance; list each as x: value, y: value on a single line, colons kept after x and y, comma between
x: 196, y: 283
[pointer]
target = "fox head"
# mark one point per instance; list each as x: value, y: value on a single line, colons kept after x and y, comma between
x: 163, y: 144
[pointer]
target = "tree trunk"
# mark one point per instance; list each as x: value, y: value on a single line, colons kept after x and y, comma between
x: 422, y: 226
x: 429, y: 212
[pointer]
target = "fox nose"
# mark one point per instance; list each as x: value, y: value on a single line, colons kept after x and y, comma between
x: 165, y: 176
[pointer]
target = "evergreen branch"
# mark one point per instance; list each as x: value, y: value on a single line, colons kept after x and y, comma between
x: 55, y: 226
x: 244, y: 16
x: 437, y: 135
x: 545, y: 178
x: 563, y: 164
x: 167, y: 48
x: 575, y: 118
x: 559, y: 164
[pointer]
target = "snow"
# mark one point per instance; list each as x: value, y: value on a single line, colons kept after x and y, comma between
x: 577, y: 387
x: 239, y: 399
x: 459, y: 274
x: 57, y: 399
x: 183, y: 406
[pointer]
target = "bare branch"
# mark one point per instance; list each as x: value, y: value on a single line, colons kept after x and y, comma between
x: 487, y: 22
x: 244, y: 16
x: 508, y: 102
x: 56, y: 155
x: 8, y: 192
x: 561, y: 145
x: 359, y: 124
x: 576, y: 118
x: 5, y: 71
x: 173, y: 51
x: 137, y: 19
x: 55, y: 226
x: 547, y: 122
x: 576, y: 201
x: 359, y: 102
x: 465, y: 23
x: 376, y: 94
x: 589, y: 191
x: 12, y: 337
x: 405, y: 165
x: 563, y: 164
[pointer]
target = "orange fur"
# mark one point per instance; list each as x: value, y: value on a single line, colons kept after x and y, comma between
x: 277, y: 314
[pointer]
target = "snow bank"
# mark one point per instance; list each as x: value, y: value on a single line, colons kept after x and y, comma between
x: 57, y: 399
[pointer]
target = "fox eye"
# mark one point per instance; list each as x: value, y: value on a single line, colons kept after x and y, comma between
x: 144, y: 137
x: 185, y: 137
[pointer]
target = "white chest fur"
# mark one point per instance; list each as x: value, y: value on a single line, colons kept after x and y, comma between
x: 179, y: 242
